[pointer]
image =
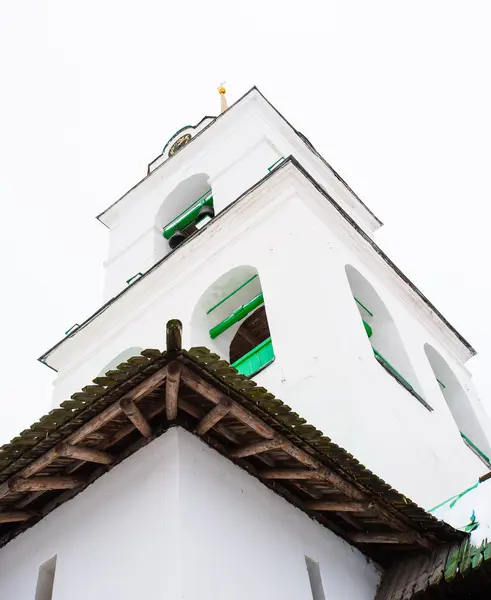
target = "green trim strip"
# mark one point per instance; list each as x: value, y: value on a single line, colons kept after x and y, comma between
x: 474, y: 447
x: 256, y: 359
x: 391, y: 368
x: 442, y: 384
x: 236, y: 316
x: 276, y: 163
x: 134, y: 278
x: 386, y: 364
x: 231, y: 294
x: 188, y: 215
x: 72, y: 328
x: 363, y: 306
x: 368, y: 329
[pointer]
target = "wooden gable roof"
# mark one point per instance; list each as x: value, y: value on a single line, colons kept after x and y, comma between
x: 115, y: 415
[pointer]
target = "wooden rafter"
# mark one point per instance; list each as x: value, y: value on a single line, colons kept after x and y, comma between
x: 216, y: 414
x: 86, y: 454
x: 40, y: 483
x: 257, y: 447
x: 134, y: 414
x: 172, y: 389
x: 333, y: 506
x: 409, y: 537
x: 15, y: 516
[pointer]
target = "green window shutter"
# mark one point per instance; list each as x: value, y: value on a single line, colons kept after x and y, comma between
x: 256, y: 359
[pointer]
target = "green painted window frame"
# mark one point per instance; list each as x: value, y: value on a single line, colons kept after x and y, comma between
x: 256, y: 359
x: 188, y: 216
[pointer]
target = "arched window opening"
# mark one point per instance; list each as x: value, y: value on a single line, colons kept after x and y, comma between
x: 234, y: 315
x: 188, y: 208
x: 120, y: 358
x: 459, y: 405
x: 382, y: 332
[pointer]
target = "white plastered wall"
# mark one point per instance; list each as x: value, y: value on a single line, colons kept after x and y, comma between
x: 324, y: 367
x: 245, y: 542
x: 177, y: 520
x: 117, y: 539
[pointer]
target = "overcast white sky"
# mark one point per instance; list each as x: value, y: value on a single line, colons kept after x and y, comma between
x: 395, y: 95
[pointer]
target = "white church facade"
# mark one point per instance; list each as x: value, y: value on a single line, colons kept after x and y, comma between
x: 268, y: 259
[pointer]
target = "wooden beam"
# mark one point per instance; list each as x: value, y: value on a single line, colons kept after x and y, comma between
x: 385, y: 538
x: 195, y: 412
x: 86, y: 454
x: 140, y: 391
x: 292, y: 474
x: 172, y: 389
x: 209, y: 391
x: 14, y: 516
x: 212, y: 418
x: 333, y: 506
x: 40, y: 483
x: 256, y: 448
x: 135, y: 416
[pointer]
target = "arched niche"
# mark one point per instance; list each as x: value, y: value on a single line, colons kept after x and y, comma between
x: 230, y: 318
x: 458, y: 403
x: 120, y: 358
x: 180, y: 211
x: 387, y: 344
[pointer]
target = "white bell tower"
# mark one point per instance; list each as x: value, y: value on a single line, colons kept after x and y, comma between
x: 246, y: 234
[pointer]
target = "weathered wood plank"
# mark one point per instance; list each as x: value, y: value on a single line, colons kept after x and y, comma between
x: 440, y: 560
x: 385, y: 538
x: 333, y: 506
x: 216, y: 414
x: 135, y: 416
x: 14, y: 516
x: 35, y: 484
x: 292, y: 474
x: 256, y: 448
x: 86, y: 454
x: 172, y: 390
